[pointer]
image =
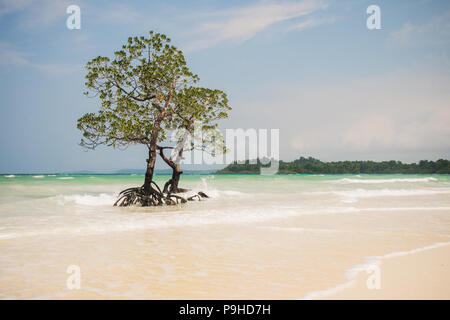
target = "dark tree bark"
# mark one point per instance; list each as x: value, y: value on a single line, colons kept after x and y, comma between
x: 147, y: 187
x: 171, y: 186
x: 176, y: 173
x: 150, y: 194
x: 152, y: 154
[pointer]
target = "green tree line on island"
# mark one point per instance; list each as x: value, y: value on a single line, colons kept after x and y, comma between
x: 314, y: 166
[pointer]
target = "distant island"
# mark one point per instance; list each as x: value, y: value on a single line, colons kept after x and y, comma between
x: 315, y: 166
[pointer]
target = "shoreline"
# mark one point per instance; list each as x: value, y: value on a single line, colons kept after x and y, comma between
x: 394, y: 267
x: 289, y: 238
x: 207, y: 172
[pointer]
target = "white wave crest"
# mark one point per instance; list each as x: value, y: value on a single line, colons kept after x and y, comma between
x: 376, y: 181
x: 115, y: 223
x: 102, y: 199
x: 10, y: 176
x: 363, y: 193
x: 350, y: 196
x: 65, y: 178
x: 38, y: 177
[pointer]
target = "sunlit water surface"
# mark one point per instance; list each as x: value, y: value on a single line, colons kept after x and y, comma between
x: 257, y: 236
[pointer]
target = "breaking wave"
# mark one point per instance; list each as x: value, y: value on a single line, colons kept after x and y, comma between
x: 364, y: 193
x: 367, y: 193
x: 376, y: 181
x: 89, y: 200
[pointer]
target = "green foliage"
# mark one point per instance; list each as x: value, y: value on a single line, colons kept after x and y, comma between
x: 196, y: 111
x: 314, y: 166
x: 202, y: 104
x: 134, y: 88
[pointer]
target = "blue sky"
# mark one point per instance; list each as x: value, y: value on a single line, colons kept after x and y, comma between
x: 336, y: 90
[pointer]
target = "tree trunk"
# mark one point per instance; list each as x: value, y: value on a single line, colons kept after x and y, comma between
x: 153, y: 143
x: 171, y: 186
x: 152, y: 156
x: 176, y: 172
x: 149, y: 171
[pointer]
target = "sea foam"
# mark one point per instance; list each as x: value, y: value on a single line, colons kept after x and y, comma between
x: 377, y: 181
x: 90, y: 200
x: 373, y: 193
x: 364, y: 193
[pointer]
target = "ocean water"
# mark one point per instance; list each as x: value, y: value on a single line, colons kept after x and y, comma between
x: 281, y: 236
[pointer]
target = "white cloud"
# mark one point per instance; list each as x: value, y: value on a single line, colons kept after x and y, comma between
x: 309, y: 23
x: 298, y: 144
x: 10, y: 57
x: 371, y: 130
x: 120, y: 13
x: 402, y: 115
x: 44, y: 13
x: 202, y: 29
x: 241, y: 24
x: 36, y: 15
x: 10, y: 6
x: 434, y: 32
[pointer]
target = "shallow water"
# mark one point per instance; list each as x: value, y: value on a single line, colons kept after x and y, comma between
x: 257, y: 236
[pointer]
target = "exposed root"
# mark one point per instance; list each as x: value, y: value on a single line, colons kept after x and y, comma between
x: 193, y: 197
x: 137, y: 196
x: 180, y: 198
x: 202, y: 194
x: 198, y: 196
x: 168, y: 188
x: 167, y: 185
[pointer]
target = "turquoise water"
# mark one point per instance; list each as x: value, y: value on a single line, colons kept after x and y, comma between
x: 48, y: 222
x: 48, y: 184
x: 239, y: 197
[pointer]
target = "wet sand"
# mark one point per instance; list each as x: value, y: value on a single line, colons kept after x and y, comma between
x: 419, y: 274
x: 309, y: 237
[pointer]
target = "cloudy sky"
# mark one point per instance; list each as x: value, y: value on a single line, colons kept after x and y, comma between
x: 310, y: 68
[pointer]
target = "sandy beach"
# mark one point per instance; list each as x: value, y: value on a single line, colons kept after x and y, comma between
x: 417, y: 274
x: 227, y: 150
x: 272, y: 237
